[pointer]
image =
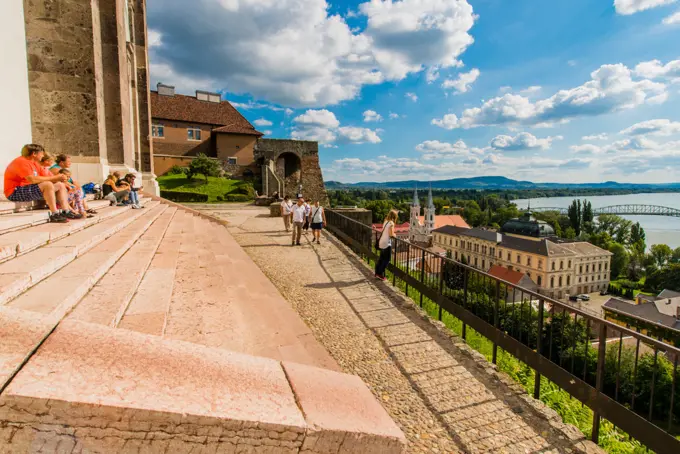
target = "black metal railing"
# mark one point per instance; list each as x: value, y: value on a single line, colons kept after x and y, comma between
x: 622, y: 375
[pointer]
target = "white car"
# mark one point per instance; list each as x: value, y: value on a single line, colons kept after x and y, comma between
x: 584, y: 297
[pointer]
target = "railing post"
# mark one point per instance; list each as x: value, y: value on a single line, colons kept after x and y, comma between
x: 601, y: 352
x: 465, y: 304
x: 408, y: 265
x: 394, y: 261
x: 539, y: 345
x: 422, y: 276
x: 495, y: 320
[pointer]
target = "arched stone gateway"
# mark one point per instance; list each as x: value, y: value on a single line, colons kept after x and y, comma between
x: 287, y: 164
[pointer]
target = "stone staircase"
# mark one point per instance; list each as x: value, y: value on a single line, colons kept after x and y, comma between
x: 152, y: 330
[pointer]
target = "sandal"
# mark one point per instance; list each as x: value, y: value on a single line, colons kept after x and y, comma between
x: 91, y: 211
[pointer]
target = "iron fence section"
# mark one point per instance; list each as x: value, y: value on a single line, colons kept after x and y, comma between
x: 624, y: 376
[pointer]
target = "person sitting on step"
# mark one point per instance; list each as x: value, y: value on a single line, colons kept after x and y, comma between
x: 47, y: 162
x: 75, y: 196
x: 27, y: 181
x: 114, y: 190
x: 134, y: 197
x: 63, y: 161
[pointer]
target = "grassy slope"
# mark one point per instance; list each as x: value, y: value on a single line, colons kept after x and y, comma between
x: 215, y: 186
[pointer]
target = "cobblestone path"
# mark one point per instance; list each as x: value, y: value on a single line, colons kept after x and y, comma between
x: 441, y: 397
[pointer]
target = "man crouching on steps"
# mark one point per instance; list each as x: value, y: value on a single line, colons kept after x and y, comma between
x: 26, y: 181
x: 299, y: 214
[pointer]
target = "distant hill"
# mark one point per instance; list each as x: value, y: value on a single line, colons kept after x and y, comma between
x: 493, y: 182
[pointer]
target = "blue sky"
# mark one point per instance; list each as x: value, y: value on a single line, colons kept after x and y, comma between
x: 560, y: 90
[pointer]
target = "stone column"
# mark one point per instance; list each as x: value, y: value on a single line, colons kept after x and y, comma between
x: 15, y: 116
x: 64, y: 53
x: 144, y: 100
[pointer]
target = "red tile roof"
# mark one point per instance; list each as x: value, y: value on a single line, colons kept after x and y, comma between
x: 500, y: 272
x: 192, y: 110
x: 399, y: 228
x: 444, y: 220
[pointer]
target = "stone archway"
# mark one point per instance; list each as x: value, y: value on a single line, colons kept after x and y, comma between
x: 289, y: 170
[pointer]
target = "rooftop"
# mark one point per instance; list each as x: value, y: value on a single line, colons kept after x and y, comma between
x: 527, y: 225
x: 501, y: 272
x: 193, y: 110
x: 646, y: 311
x: 447, y: 219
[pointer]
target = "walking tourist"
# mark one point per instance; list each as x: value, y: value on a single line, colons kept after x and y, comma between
x: 299, y: 216
x: 308, y: 211
x: 385, y: 244
x: 318, y: 219
x: 27, y: 181
x: 286, y: 212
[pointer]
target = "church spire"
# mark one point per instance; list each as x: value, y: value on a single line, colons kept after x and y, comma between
x: 430, y: 202
x: 416, y: 202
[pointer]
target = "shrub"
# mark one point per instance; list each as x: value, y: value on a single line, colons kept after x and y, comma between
x: 220, y: 198
x: 177, y: 196
x: 203, y: 165
x: 236, y: 198
x: 244, y: 189
x: 177, y: 170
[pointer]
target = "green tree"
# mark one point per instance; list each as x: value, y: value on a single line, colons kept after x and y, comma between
x: 379, y: 208
x: 203, y: 165
x: 574, y: 213
x: 587, y: 217
x: 637, y: 235
x: 676, y: 255
x: 661, y: 253
x: 620, y: 260
x: 558, y: 229
x: 667, y: 277
x: 570, y: 233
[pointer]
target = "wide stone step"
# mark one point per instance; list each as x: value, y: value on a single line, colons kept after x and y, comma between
x: 61, y: 291
x: 95, y: 389
x: 148, y: 309
x: 25, y: 271
x: 28, y: 238
x: 106, y: 302
x: 250, y: 317
x: 10, y: 222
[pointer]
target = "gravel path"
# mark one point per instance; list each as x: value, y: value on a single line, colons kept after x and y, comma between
x: 438, y: 395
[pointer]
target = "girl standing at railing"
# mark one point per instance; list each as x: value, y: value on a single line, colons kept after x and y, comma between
x: 384, y: 244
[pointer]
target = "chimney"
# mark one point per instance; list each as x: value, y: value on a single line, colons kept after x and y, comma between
x: 208, y: 96
x: 165, y: 90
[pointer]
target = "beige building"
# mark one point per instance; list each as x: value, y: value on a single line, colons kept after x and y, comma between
x: 76, y: 86
x: 558, y: 268
x: 184, y: 126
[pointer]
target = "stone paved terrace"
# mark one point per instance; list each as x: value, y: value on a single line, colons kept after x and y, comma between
x: 153, y: 331
x: 444, y: 396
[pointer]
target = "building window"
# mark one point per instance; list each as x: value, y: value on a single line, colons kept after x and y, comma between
x: 561, y: 265
x: 540, y: 264
x: 483, y: 264
x: 528, y: 261
x: 540, y: 281
x: 193, y: 134
x: 580, y: 269
x: 605, y: 267
x: 568, y: 280
x: 569, y: 265
x: 587, y: 268
x: 560, y: 281
x: 456, y: 255
x: 475, y: 261
x: 500, y: 254
x: 552, y: 282
x: 579, y: 280
x: 158, y: 131
x: 231, y: 161
x: 553, y: 266
x: 509, y: 257
x: 599, y: 267
x: 519, y: 259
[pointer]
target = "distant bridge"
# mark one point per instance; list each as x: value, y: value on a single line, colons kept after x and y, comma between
x: 647, y: 210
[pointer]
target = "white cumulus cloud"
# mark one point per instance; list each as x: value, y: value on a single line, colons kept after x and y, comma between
x: 602, y: 136
x: 412, y: 96
x: 659, y: 127
x: 654, y: 69
x: 610, y: 89
x: 393, y: 115
x: 262, y: 122
x: 372, y: 115
x: 324, y: 127
x: 627, y: 7
x: 672, y: 19
x: 522, y: 141
x: 463, y: 82
x: 297, y: 52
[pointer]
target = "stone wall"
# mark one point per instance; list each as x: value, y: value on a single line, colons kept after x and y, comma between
x: 310, y: 176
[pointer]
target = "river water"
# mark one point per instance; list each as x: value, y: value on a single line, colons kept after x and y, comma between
x: 659, y: 229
